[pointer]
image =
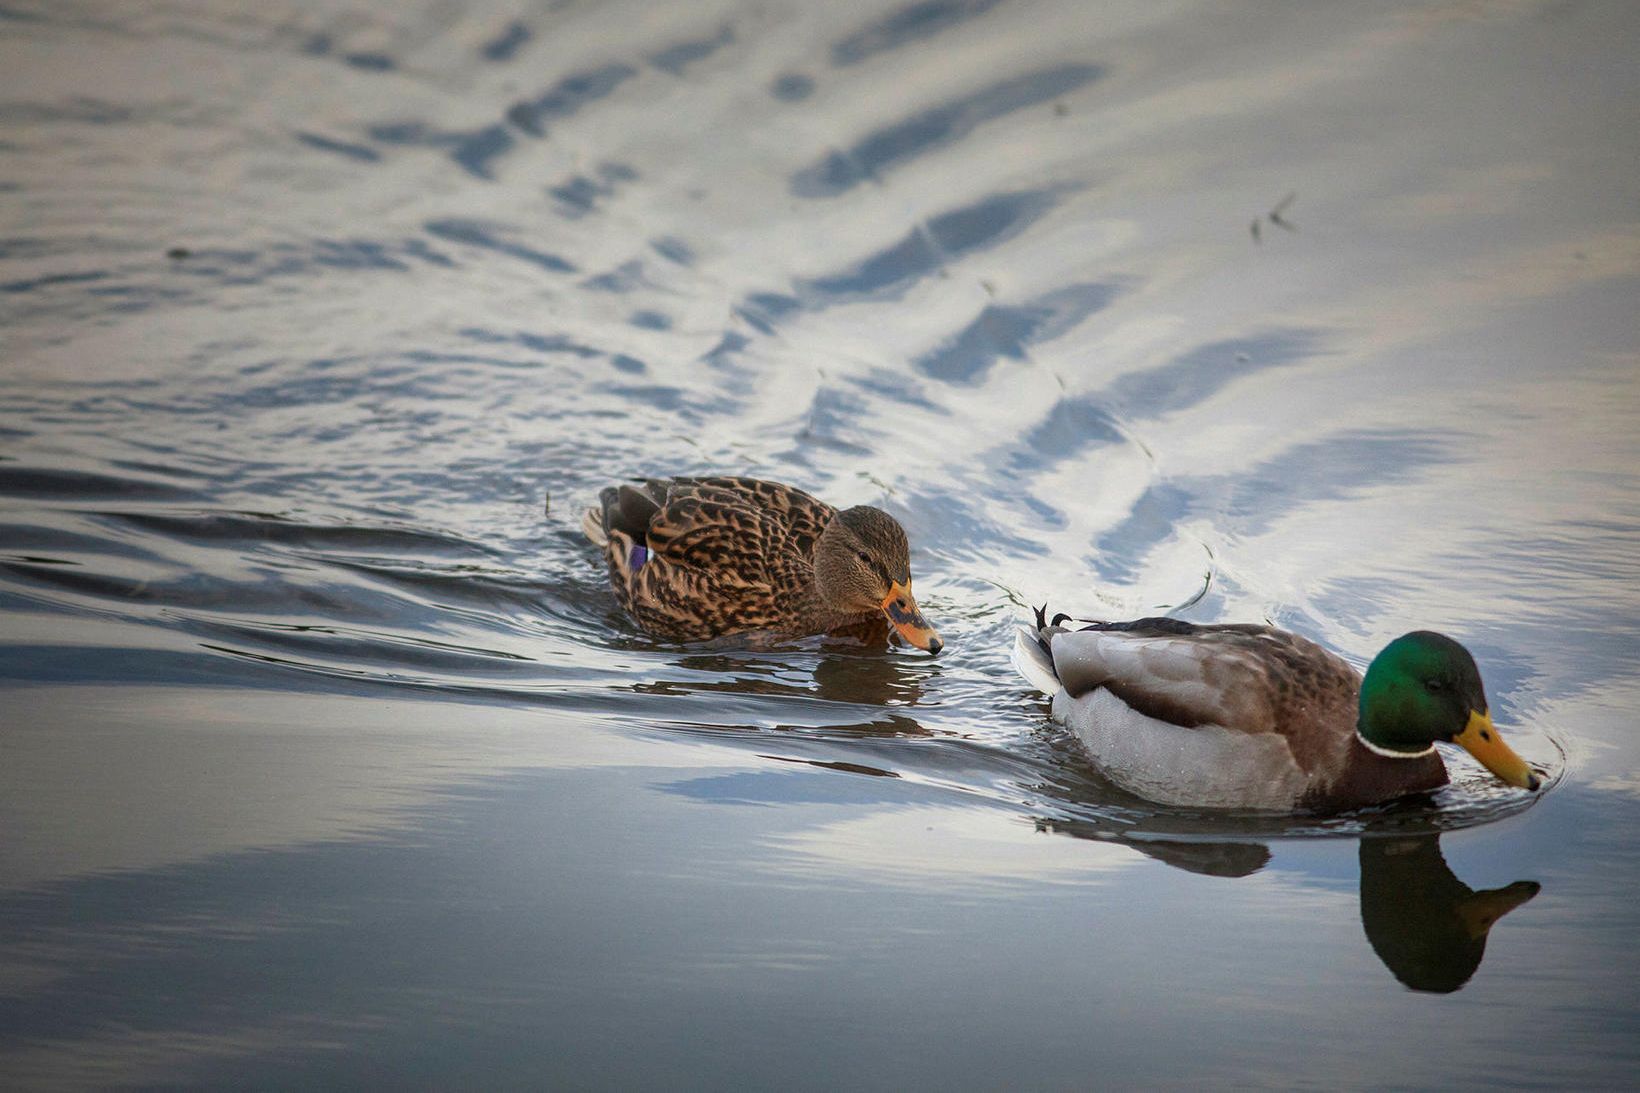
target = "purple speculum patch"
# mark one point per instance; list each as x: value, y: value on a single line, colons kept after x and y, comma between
x: 639, y: 556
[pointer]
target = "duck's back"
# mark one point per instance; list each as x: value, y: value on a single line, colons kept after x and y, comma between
x: 783, y: 520
x: 699, y: 558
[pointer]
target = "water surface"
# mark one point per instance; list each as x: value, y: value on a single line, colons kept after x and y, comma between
x: 327, y: 756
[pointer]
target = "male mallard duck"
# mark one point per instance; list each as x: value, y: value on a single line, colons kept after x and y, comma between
x: 698, y: 558
x: 1255, y: 717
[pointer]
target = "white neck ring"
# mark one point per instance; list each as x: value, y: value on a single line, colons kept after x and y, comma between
x: 1388, y: 754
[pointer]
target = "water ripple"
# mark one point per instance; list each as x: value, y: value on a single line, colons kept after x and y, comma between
x: 886, y: 148
x: 328, y: 424
x: 1006, y: 332
x: 568, y: 97
x: 478, y: 233
x: 985, y: 223
x: 674, y: 59
x: 907, y: 26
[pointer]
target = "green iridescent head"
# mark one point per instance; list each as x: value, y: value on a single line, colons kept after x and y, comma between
x: 1423, y: 688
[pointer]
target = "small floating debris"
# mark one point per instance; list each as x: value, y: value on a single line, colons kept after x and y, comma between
x: 1275, y: 216
x: 177, y: 254
x: 1281, y: 207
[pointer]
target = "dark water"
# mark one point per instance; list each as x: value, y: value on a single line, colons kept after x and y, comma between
x: 325, y: 755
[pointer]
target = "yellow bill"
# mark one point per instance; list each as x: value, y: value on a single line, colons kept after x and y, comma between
x: 1482, y: 741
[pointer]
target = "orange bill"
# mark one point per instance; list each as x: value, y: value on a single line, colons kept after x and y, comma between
x: 1482, y: 741
x: 903, y: 612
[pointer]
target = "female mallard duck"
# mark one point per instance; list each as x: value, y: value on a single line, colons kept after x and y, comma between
x: 1254, y: 717
x: 698, y: 558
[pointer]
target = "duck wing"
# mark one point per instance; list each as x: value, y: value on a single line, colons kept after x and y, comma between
x: 1246, y: 678
x: 713, y: 531
x: 1217, y: 716
x: 698, y: 558
x: 1233, y: 677
x: 631, y: 510
x: 799, y: 516
x: 703, y: 570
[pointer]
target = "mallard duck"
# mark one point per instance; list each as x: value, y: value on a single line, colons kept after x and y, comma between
x: 698, y: 558
x: 1253, y: 717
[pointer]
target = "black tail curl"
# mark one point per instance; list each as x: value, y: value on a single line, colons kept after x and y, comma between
x: 1043, y: 623
x: 1151, y: 625
x: 1048, y: 629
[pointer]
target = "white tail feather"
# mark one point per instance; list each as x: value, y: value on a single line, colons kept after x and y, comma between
x: 1033, y: 663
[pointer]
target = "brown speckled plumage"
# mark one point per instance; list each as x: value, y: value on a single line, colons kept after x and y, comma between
x: 727, y: 556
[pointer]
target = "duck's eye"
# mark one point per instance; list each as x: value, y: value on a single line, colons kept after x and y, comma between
x: 864, y: 557
x: 1434, y: 686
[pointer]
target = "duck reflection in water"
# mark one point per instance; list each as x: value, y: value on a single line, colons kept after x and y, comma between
x: 861, y: 689
x: 864, y: 675
x: 1428, y: 927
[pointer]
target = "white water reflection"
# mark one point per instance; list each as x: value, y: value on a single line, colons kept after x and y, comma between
x: 953, y: 848
x: 165, y: 776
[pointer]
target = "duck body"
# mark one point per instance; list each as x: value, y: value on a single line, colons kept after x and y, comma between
x: 693, y: 559
x: 1221, y: 716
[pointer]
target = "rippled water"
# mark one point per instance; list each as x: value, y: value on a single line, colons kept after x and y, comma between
x: 326, y: 754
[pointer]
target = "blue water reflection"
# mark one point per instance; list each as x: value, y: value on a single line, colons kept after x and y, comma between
x: 1003, y: 331
x: 986, y: 223
x: 906, y: 26
x: 881, y: 151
